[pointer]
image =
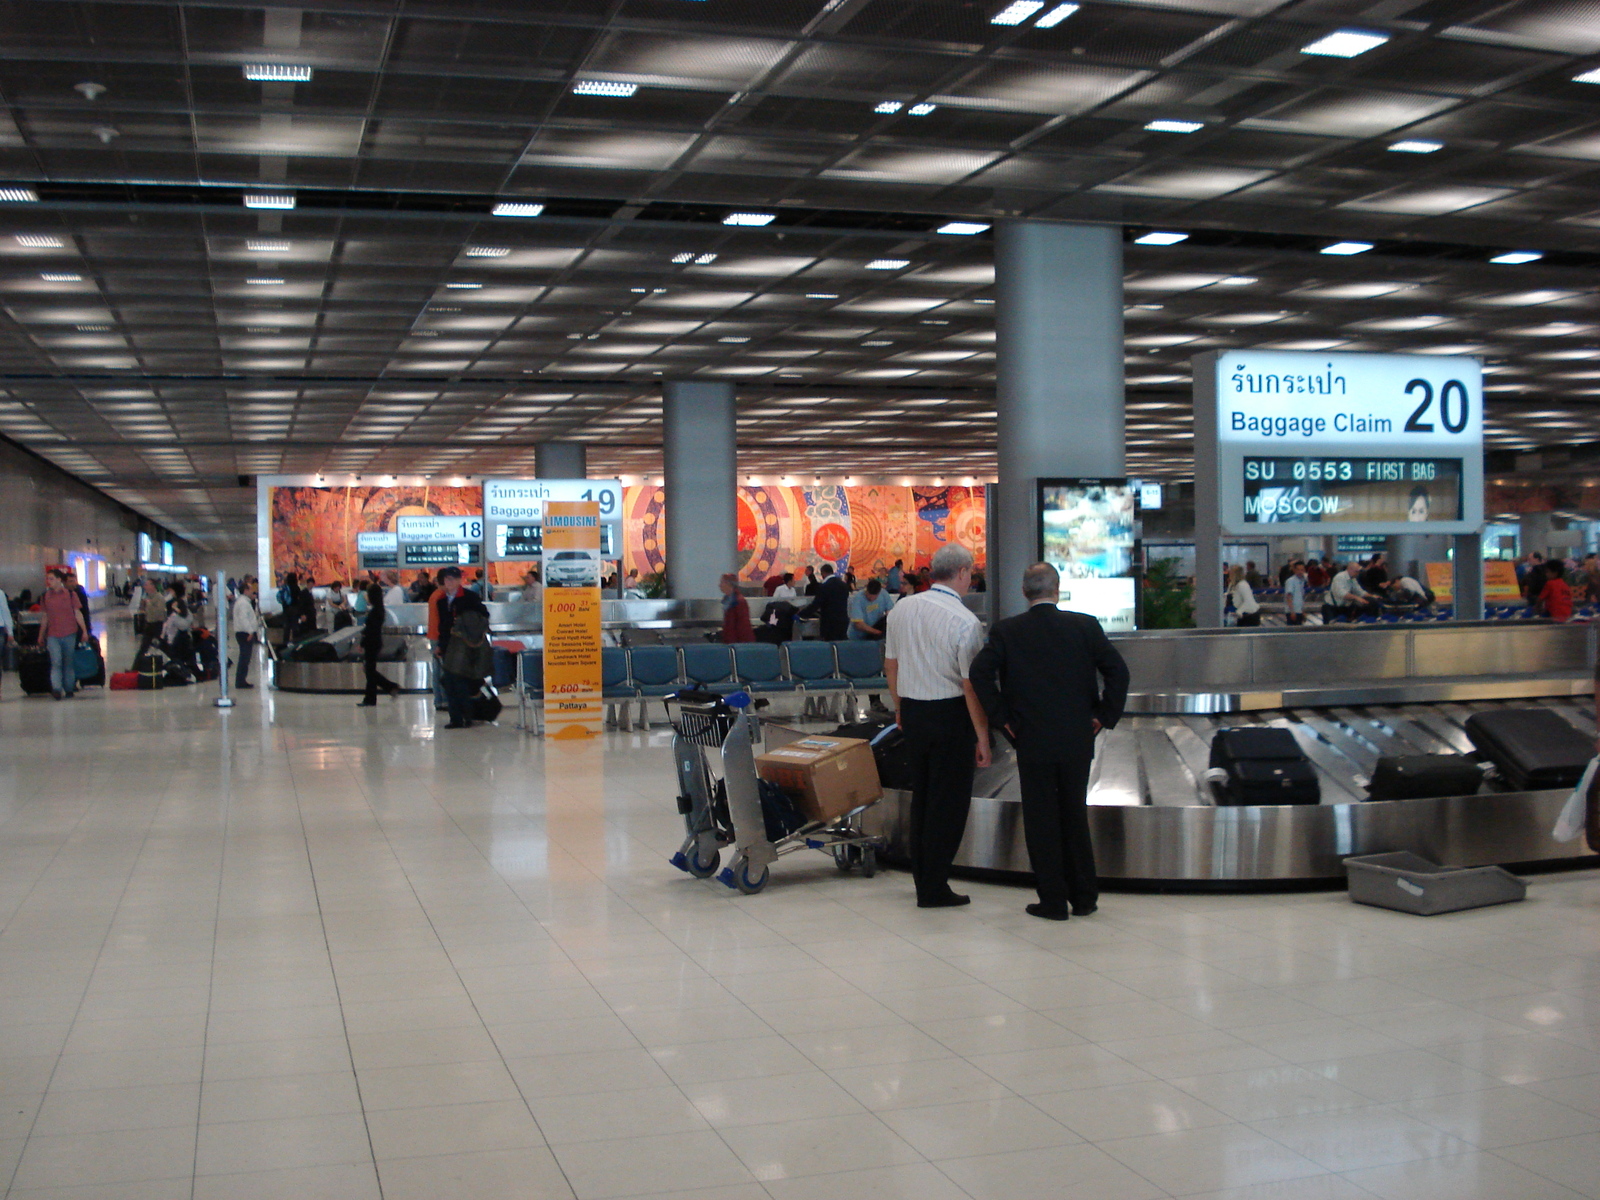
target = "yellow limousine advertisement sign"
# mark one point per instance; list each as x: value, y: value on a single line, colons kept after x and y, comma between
x: 571, y: 562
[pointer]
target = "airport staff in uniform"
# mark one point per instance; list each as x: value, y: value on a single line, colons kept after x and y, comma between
x: 930, y: 644
x: 1053, y: 680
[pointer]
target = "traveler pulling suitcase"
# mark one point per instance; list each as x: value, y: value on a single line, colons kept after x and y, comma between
x: 1533, y: 748
x: 1424, y: 776
x: 1263, y: 765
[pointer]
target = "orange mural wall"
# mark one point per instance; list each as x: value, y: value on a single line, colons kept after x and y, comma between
x: 860, y: 529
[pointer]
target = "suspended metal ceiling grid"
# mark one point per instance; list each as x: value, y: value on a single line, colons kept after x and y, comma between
x: 162, y: 373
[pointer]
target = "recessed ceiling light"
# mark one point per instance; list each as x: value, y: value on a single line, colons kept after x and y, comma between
x: 983, y: 300
x: 1416, y: 147
x: 283, y: 200
x: 278, y: 72
x: 962, y: 228
x: 515, y: 208
x: 921, y: 110
x: 1592, y: 76
x: 19, y: 195
x: 1347, y: 248
x: 704, y: 260
x: 1236, y: 281
x: 60, y: 277
x: 264, y: 282
x: 266, y: 246
x: 1516, y: 258
x: 753, y: 219
x: 1017, y: 12
x: 889, y: 107
x: 94, y: 329
x: 1161, y: 239
x: 877, y: 343
x: 39, y: 241
x: 683, y: 258
x: 604, y: 87
x: 464, y: 287
x: 487, y: 251
x: 1055, y: 16
x: 1346, y: 43
x: 733, y: 340
x: 1175, y: 126
x: 888, y: 264
x: 822, y: 295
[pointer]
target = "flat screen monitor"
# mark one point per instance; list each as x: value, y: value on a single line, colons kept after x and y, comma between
x: 1086, y: 532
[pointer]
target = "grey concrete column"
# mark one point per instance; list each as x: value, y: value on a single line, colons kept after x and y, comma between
x: 701, y: 468
x: 561, y: 460
x: 1058, y: 325
x: 1409, y: 552
x: 1534, y: 531
x: 1468, y: 601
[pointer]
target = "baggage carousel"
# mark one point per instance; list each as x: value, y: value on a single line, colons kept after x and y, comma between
x: 1154, y: 817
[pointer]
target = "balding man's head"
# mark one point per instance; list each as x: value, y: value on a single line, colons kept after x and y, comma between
x: 1041, y: 582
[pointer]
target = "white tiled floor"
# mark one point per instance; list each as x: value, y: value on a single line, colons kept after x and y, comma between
x: 305, y: 950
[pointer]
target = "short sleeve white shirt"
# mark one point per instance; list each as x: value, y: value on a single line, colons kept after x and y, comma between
x: 932, y: 637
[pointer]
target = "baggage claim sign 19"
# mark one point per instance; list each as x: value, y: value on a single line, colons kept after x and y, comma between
x: 1319, y: 443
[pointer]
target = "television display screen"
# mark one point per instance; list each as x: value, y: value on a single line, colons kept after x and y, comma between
x: 1086, y: 532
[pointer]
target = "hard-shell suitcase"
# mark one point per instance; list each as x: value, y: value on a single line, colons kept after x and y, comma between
x: 1264, y: 765
x: 33, y: 668
x: 125, y: 681
x: 888, y: 749
x: 1424, y: 776
x: 1533, y: 748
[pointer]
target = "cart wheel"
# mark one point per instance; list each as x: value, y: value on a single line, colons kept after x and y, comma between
x: 843, y: 858
x: 869, y: 861
x: 746, y: 882
x: 702, y: 868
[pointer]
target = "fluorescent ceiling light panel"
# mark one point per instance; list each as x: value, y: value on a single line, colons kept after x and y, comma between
x: 1592, y: 76
x: 921, y: 110
x: 604, y: 87
x: 1411, y: 147
x: 733, y: 340
x: 1161, y: 239
x: 1347, y: 248
x: 752, y: 219
x: 464, y: 287
x: 39, y: 241
x: 888, y: 264
x: 889, y: 107
x: 1175, y: 126
x: 1236, y: 281
x: 962, y: 228
x: 514, y: 208
x: 487, y: 251
x: 704, y: 260
x: 61, y: 277
x: 264, y: 282
x: 284, y: 200
x: 1346, y: 43
x: 822, y: 295
x: 1017, y: 12
x: 1055, y: 16
x: 683, y: 258
x: 19, y: 195
x: 1516, y: 258
x: 265, y: 246
x: 278, y: 72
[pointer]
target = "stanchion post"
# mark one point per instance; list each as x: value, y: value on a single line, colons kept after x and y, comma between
x: 223, y: 700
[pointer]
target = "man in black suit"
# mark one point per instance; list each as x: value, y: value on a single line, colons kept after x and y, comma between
x: 1052, y: 680
x: 831, y: 605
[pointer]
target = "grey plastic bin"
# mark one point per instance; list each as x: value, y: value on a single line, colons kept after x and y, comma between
x: 1407, y: 882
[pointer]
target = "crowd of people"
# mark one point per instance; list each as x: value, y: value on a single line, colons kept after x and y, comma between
x: 844, y: 606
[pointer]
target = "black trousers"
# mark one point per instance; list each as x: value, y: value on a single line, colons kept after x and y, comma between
x: 1055, y: 821
x: 246, y: 642
x: 459, y: 691
x: 376, y: 682
x: 940, y: 743
x: 1248, y: 619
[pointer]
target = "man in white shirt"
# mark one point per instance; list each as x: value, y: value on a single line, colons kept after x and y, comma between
x: 786, y: 589
x: 1345, y: 591
x: 931, y: 641
x: 246, y: 629
x: 1294, y: 593
x: 393, y: 593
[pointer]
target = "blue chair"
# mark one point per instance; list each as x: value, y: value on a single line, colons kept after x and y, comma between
x: 709, y: 666
x: 615, y: 686
x: 861, y: 663
x: 655, y: 672
x: 759, y: 667
x: 813, y: 668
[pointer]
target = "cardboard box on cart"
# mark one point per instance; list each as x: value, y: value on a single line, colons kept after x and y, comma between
x: 827, y: 777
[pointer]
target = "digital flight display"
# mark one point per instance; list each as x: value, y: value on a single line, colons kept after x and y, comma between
x: 441, y: 554
x: 1341, y: 490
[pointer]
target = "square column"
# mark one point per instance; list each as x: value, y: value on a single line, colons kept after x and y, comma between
x: 700, y: 460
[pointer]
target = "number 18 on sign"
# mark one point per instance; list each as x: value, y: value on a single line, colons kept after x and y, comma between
x: 571, y: 560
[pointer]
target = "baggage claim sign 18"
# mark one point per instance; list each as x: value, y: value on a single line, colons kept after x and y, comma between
x: 1319, y: 443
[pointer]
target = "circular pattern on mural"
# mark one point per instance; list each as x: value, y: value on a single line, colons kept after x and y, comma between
x: 832, y: 542
x: 760, y: 533
x: 866, y: 539
x: 967, y: 523
x: 648, y: 514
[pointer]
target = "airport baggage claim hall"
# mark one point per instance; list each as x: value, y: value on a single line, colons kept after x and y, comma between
x: 544, y: 359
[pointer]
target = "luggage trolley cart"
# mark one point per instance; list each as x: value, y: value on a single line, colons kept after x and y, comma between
x: 721, y: 799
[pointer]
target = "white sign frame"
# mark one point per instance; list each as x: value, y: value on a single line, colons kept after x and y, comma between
x: 522, y: 501
x: 417, y: 530
x: 370, y: 542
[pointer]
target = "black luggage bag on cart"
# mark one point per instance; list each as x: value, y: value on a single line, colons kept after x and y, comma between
x: 1264, y: 765
x: 1533, y: 748
x: 1424, y: 777
x: 33, y: 668
x: 888, y: 749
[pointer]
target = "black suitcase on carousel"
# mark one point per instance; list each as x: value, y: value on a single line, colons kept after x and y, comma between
x: 1424, y: 777
x: 33, y: 669
x: 1533, y: 748
x: 1264, y: 765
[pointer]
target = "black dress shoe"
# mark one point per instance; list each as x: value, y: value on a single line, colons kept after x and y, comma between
x: 1047, y: 912
x: 366, y: 704
x: 1085, y: 910
x: 948, y: 900
x: 244, y: 687
x: 455, y: 725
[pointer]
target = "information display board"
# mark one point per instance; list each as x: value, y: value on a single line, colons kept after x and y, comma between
x: 513, y: 510
x: 378, y: 551
x: 573, y: 705
x: 1086, y: 532
x: 430, y: 541
x: 1317, y: 443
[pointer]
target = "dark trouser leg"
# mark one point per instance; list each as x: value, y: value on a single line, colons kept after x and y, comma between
x: 241, y: 674
x: 1055, y: 823
x: 941, y: 741
x: 458, y: 693
x: 1083, y: 882
x: 151, y: 632
x: 376, y: 682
